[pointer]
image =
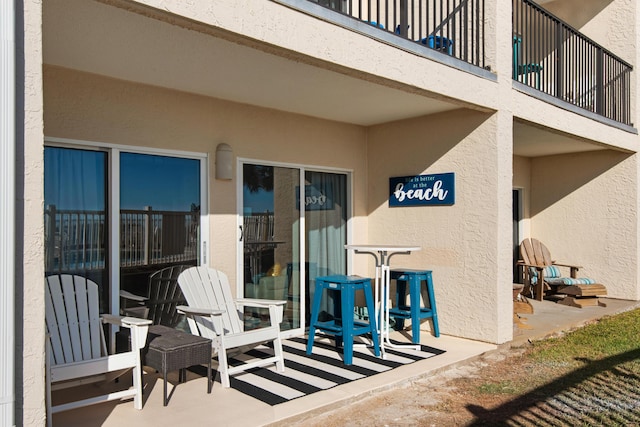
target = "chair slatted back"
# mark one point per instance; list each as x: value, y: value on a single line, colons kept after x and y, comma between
x: 209, y: 288
x: 73, y: 319
x: 533, y: 252
x: 165, y: 295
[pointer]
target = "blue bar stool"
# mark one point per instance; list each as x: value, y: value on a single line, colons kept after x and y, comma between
x: 344, y: 328
x: 414, y: 311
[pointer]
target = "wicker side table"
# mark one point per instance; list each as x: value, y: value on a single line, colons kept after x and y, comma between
x: 169, y: 350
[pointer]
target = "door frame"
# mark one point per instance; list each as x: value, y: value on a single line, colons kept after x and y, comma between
x: 518, y: 228
x: 302, y: 168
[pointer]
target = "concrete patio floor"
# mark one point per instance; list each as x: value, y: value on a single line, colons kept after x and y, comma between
x: 191, y: 404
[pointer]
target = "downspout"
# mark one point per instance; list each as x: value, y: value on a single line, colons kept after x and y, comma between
x: 7, y: 212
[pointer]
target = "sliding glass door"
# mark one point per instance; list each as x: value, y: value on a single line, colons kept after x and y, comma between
x: 294, y: 228
x: 117, y: 216
x: 270, y: 240
x: 159, y: 216
x: 76, y: 227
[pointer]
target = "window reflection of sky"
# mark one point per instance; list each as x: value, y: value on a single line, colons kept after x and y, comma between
x: 164, y: 183
x: 260, y: 201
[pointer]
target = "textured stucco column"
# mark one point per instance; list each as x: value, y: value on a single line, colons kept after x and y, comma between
x: 504, y: 240
x: 504, y: 171
x: 30, y: 334
x: 467, y: 245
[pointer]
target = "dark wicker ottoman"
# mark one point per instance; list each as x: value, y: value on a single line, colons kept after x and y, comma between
x: 169, y: 350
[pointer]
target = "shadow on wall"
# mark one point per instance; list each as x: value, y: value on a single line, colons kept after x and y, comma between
x: 575, y: 12
x: 409, y: 147
x: 555, y: 177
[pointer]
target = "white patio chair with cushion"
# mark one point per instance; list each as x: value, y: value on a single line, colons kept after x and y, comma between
x: 213, y: 313
x: 76, y: 348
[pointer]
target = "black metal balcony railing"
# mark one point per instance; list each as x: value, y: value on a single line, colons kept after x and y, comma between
x: 556, y: 59
x: 77, y: 239
x: 453, y: 27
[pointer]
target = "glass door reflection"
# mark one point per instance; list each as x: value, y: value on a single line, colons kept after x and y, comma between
x: 270, y: 238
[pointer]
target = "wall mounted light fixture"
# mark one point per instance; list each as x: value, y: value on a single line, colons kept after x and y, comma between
x: 224, y: 162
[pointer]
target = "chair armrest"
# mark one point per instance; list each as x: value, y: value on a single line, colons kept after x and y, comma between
x: 538, y: 267
x: 139, y: 328
x: 140, y: 310
x: 126, y: 322
x: 258, y: 303
x: 199, y: 311
x: 132, y: 297
x: 566, y: 265
x: 135, y: 321
x: 276, y: 307
x: 574, y: 268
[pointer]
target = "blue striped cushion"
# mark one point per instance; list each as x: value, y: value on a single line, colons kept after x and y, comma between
x: 570, y: 281
x: 550, y: 272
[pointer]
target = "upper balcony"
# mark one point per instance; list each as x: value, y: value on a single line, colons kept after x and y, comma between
x: 292, y: 44
x: 453, y: 27
x: 551, y: 56
x: 548, y: 54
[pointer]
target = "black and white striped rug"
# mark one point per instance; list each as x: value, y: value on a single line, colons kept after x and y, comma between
x: 306, y: 374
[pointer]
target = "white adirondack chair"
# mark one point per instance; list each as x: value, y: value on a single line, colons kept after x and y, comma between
x: 76, y: 349
x: 213, y: 313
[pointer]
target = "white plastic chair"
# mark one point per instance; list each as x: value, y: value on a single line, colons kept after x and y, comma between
x: 213, y: 313
x: 76, y: 348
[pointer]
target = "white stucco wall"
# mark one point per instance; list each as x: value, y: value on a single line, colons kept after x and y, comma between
x: 584, y: 209
x: 462, y: 244
x: 274, y: 24
x: 86, y: 107
x: 30, y: 351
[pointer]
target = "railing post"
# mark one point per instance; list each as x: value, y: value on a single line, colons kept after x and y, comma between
x: 559, y: 61
x: 599, y: 81
x: 404, y: 20
x: 50, y: 238
x: 148, y: 240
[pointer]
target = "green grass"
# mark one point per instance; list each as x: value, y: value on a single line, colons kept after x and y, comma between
x: 588, y: 377
x: 554, y: 364
x: 502, y: 387
x: 608, y: 337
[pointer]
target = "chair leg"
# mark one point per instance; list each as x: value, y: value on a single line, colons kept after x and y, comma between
x: 346, y: 304
x: 539, y: 290
x: 277, y: 349
x: 137, y: 385
x: 414, y: 300
x: 401, y: 290
x: 432, y: 305
x: 368, y: 297
x: 165, y: 401
x: 223, y: 368
x: 317, y: 297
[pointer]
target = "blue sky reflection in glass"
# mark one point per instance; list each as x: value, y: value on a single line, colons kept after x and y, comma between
x: 164, y: 183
